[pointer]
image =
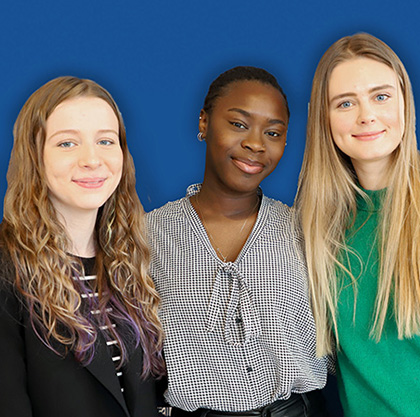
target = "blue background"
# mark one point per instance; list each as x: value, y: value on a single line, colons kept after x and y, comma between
x: 158, y: 58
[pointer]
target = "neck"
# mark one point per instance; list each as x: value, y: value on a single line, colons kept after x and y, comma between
x: 80, y: 230
x: 228, y: 204
x: 227, y: 217
x: 373, y: 175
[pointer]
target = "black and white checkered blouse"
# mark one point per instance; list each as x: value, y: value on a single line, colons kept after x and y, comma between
x: 239, y: 335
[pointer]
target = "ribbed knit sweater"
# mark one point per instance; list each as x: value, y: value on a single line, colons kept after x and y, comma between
x: 375, y: 379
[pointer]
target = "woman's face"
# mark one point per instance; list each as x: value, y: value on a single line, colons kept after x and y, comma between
x: 245, y: 134
x: 366, y: 110
x: 82, y: 155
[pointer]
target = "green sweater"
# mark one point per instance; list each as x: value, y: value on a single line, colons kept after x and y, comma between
x: 375, y: 379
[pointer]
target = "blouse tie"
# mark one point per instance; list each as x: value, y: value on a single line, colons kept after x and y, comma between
x: 240, y: 307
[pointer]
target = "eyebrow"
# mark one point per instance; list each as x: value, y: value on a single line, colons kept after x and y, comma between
x: 372, y: 90
x: 246, y: 114
x: 75, y: 131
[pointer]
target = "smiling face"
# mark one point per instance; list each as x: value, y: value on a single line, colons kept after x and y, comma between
x: 366, y: 111
x: 245, y: 134
x: 82, y: 155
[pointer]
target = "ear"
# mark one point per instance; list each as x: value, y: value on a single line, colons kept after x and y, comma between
x: 203, y: 123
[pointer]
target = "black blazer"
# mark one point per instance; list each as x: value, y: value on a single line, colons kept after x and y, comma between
x: 36, y: 382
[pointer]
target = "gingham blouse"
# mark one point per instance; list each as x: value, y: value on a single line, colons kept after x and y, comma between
x: 239, y: 335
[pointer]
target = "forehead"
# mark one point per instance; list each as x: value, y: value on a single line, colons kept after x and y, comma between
x: 360, y: 74
x: 80, y: 111
x: 251, y: 95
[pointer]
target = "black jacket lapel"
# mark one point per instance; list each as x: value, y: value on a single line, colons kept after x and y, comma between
x: 140, y: 394
x: 104, y: 371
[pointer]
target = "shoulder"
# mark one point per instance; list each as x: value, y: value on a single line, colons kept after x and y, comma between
x: 171, y: 207
x: 173, y: 211
x: 7, y: 270
x: 283, y: 219
x: 11, y: 303
x: 277, y: 205
x: 168, y: 214
x: 278, y: 211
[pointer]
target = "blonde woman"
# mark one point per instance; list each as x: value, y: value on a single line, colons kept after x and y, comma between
x: 78, y: 325
x: 358, y: 202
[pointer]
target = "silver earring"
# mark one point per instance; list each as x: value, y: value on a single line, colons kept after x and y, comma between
x: 200, y: 137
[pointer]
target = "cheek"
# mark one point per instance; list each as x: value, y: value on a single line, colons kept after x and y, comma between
x: 117, y: 167
x: 341, y: 125
x: 394, y: 117
x: 277, y: 152
x: 54, y: 168
x: 115, y: 162
x: 281, y: 153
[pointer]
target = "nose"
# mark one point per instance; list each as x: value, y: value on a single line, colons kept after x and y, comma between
x: 366, y: 114
x: 254, y: 141
x: 89, y: 156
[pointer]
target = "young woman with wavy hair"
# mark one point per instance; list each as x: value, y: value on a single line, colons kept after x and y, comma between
x: 78, y: 312
x: 358, y: 202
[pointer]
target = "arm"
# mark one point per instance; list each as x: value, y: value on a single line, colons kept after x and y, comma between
x: 14, y: 399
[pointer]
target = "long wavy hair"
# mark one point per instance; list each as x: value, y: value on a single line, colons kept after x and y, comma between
x: 326, y: 200
x: 36, y: 241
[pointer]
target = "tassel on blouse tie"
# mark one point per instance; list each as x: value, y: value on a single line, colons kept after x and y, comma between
x: 240, y: 301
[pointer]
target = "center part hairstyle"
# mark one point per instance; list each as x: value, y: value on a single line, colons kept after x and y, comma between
x: 36, y: 242
x: 326, y: 203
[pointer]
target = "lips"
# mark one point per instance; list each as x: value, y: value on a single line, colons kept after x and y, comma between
x: 368, y: 136
x: 90, y: 182
x: 248, y: 166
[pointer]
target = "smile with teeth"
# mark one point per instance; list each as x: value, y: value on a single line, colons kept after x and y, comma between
x: 248, y: 166
x: 368, y: 136
x: 90, y: 182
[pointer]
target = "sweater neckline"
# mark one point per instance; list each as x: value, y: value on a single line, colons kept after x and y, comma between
x: 374, y: 200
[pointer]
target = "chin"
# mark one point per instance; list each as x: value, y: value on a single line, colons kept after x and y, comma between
x: 246, y: 186
x: 93, y: 205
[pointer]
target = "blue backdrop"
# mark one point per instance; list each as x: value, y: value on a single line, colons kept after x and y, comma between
x: 157, y: 59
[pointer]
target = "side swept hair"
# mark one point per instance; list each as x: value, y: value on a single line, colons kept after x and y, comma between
x: 326, y: 199
x: 37, y: 245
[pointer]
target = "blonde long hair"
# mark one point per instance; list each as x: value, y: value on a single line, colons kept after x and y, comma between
x: 327, y: 197
x: 37, y: 245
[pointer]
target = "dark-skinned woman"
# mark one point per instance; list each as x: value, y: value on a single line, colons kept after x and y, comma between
x: 227, y: 263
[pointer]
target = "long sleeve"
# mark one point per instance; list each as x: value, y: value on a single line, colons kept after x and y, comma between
x: 14, y: 399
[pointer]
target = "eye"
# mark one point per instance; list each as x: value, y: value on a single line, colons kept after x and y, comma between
x: 382, y: 97
x: 66, y: 144
x: 345, y: 104
x: 273, y: 134
x: 239, y: 125
x: 106, y: 142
